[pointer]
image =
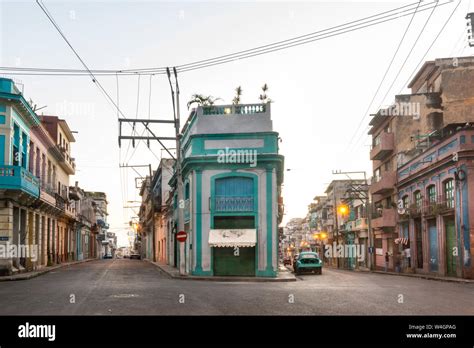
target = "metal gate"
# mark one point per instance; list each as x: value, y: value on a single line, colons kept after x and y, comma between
x: 450, y: 247
x: 433, y: 235
x: 234, y: 262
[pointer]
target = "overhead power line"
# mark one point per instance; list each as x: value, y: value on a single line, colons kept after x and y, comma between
x: 424, y: 55
x: 384, y: 76
x: 379, y: 18
x: 94, y: 79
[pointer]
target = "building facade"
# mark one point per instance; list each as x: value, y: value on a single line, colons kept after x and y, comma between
x: 232, y: 175
x: 407, y: 226
x: 39, y: 215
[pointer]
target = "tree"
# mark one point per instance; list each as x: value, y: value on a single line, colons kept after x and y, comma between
x: 238, y: 94
x: 263, y: 97
x: 202, y: 100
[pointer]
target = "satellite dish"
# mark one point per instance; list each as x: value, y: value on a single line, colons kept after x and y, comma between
x: 401, y: 211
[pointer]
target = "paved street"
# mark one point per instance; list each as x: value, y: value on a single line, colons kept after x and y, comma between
x: 136, y: 287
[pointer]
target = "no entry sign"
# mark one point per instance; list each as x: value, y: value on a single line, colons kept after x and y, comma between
x: 181, y: 236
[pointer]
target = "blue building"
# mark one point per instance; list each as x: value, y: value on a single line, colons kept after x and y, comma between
x: 232, y: 176
x: 19, y: 188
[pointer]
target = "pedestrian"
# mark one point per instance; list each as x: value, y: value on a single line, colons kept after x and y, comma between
x: 398, y: 262
x: 387, y: 259
x: 408, y: 256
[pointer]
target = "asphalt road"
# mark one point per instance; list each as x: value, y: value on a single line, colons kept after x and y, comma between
x: 119, y: 287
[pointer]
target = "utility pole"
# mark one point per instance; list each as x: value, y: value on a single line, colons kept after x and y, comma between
x: 336, y: 222
x: 179, y: 180
x: 364, y: 195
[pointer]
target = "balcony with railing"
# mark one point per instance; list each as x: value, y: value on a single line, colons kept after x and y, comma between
x: 361, y: 224
x: 67, y: 162
x: 47, y: 194
x: 18, y: 178
x: 60, y: 202
x: 439, y: 206
x: 385, y: 217
x: 228, y: 119
x: 384, y: 183
x: 384, y: 147
x: 244, y: 109
x: 233, y: 204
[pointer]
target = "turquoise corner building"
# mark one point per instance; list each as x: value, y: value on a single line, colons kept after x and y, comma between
x: 232, y: 175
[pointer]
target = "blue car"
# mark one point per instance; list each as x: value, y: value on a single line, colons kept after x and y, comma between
x: 308, y: 262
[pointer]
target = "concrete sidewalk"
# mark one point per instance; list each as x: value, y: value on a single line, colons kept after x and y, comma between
x: 426, y: 276
x: 33, y: 274
x: 283, y: 275
x: 414, y: 275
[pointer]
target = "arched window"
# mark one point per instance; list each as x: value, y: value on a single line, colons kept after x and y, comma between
x: 431, y: 193
x: 417, y: 198
x: 448, y: 193
x: 405, y: 201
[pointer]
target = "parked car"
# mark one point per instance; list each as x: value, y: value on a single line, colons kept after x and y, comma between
x: 108, y: 256
x: 135, y: 256
x: 287, y: 261
x: 308, y: 262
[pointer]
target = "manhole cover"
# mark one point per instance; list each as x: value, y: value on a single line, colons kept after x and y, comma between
x: 124, y: 295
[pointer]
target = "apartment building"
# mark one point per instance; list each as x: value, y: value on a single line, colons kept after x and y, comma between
x: 412, y: 142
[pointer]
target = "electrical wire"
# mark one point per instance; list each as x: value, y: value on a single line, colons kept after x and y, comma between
x: 383, y: 78
x: 426, y: 53
x: 272, y: 47
x: 399, y: 70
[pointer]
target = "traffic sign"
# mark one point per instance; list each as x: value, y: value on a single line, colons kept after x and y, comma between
x: 181, y: 236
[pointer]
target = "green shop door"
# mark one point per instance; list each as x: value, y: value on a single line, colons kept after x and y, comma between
x: 229, y: 262
x: 450, y: 247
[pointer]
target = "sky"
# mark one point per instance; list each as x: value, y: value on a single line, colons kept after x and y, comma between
x: 320, y: 90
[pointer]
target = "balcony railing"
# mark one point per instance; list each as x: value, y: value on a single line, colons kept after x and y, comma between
x: 60, y: 202
x: 438, y: 206
x: 69, y: 161
x: 384, y: 218
x: 361, y: 223
x: 18, y: 178
x: 384, y: 148
x: 246, y: 109
x: 231, y: 204
x: 383, y: 184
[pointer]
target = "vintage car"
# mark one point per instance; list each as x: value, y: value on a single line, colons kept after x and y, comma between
x: 308, y: 262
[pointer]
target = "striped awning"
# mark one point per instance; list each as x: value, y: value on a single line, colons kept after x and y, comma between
x: 233, y: 238
x: 403, y: 241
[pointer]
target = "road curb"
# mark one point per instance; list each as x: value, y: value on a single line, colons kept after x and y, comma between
x: 34, y: 274
x: 175, y: 275
x: 428, y: 277
x: 413, y: 275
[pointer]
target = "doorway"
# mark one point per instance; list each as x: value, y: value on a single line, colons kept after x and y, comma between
x: 451, y: 246
x: 433, y: 237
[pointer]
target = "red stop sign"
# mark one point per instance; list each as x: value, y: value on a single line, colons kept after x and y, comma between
x: 181, y: 236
